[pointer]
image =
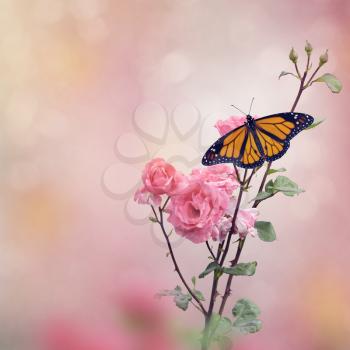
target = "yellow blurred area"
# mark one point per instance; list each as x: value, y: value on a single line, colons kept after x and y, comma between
x: 38, y: 217
x: 326, y: 308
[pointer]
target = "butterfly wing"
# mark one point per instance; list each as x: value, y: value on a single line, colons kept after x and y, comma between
x: 275, y: 131
x: 239, y: 147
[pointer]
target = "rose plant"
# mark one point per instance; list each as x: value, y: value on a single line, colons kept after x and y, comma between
x: 205, y: 208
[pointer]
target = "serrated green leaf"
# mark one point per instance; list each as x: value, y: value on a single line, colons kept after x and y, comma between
x: 213, y: 266
x: 219, y: 326
x: 272, y: 171
x: 245, y: 309
x: 269, y: 187
x: 286, y: 186
x: 218, y: 329
x: 332, y: 82
x: 266, y: 232
x: 181, y: 300
x: 198, y: 294
x: 262, y: 196
x: 314, y: 124
x: 246, y: 313
x: 241, y: 269
x: 225, y: 343
x: 247, y: 327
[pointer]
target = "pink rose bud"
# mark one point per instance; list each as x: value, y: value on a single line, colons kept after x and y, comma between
x: 225, y: 126
x: 245, y: 222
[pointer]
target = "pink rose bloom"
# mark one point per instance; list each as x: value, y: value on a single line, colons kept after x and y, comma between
x: 245, y: 223
x: 224, y: 126
x: 195, y: 211
x: 221, y: 176
x: 160, y: 177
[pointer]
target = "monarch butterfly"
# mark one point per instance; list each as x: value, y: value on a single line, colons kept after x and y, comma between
x: 257, y: 140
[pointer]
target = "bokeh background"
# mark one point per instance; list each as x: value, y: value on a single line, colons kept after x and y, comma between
x: 91, y: 89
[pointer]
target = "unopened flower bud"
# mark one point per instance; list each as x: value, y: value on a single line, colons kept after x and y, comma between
x: 293, y: 56
x: 324, y: 58
x: 308, y: 48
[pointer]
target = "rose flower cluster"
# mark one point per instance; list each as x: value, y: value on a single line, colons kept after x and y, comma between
x: 201, y: 204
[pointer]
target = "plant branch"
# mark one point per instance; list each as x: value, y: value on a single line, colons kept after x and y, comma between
x: 237, y: 173
x: 256, y: 202
x: 297, y: 70
x: 309, y: 82
x: 210, y: 250
x: 229, y: 280
x: 176, y: 266
x: 239, y: 199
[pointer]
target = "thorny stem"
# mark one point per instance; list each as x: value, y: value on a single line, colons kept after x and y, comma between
x: 239, y: 199
x: 176, y: 266
x: 222, y: 260
x: 237, y: 173
x: 210, y: 250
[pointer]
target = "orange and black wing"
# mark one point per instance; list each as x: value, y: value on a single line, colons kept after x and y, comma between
x: 239, y: 147
x: 275, y: 131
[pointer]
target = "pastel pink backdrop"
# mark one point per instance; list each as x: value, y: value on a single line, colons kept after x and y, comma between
x: 72, y: 74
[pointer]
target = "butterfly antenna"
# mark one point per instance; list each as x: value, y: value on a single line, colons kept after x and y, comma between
x: 251, y: 104
x: 239, y: 109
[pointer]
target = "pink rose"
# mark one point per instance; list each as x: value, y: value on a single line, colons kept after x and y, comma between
x: 224, y: 126
x: 221, y: 229
x: 160, y: 177
x: 245, y: 223
x: 221, y: 176
x: 195, y: 211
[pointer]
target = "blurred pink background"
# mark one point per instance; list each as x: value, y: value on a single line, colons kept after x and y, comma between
x: 82, y: 79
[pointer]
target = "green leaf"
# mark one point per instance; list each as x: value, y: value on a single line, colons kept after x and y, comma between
x: 241, y: 269
x: 272, y: 171
x: 314, y: 124
x: 225, y: 343
x: 332, y: 82
x: 283, y: 73
x: 246, y: 313
x: 262, y: 195
x: 286, y: 186
x: 193, y: 281
x: 269, y: 187
x: 224, y: 326
x: 246, y: 327
x: 181, y: 300
x: 219, y: 326
x: 265, y: 230
x: 198, y: 294
x: 245, y: 309
x: 213, y: 266
x: 152, y: 219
